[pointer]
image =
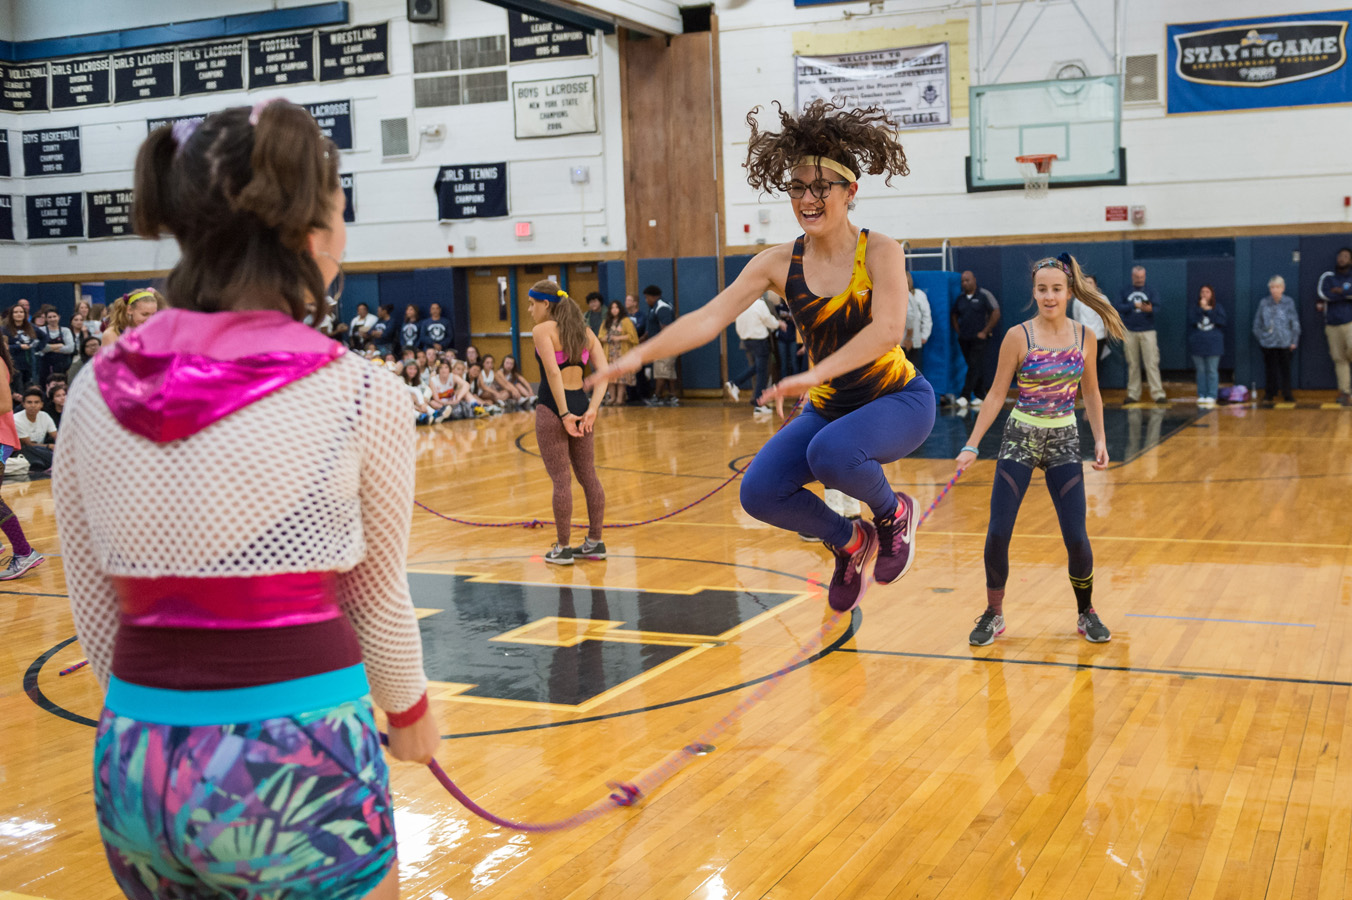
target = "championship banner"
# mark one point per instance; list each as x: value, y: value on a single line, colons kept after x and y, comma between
x: 475, y: 191
x: 1297, y: 60
x: 911, y: 83
x: 555, y: 106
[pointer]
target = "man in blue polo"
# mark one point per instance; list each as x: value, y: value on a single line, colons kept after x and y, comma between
x: 1137, y: 306
x: 434, y: 331
x: 1335, y: 302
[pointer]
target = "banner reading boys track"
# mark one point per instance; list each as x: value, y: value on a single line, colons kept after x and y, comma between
x: 474, y: 191
x: 1296, y: 60
x: 911, y: 83
x: 109, y: 214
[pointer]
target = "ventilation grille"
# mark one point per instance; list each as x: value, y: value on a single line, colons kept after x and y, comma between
x: 469, y: 53
x: 460, y: 90
x: 394, y: 138
x: 1143, y: 79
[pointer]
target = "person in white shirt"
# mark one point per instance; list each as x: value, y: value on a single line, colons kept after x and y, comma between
x: 755, y: 325
x: 361, y: 323
x: 36, y: 430
x: 919, y: 322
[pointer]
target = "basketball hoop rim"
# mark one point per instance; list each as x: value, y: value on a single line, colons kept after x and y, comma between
x: 1041, y: 161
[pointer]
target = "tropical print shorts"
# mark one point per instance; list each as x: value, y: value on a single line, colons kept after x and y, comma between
x: 295, y: 807
x: 1037, y: 446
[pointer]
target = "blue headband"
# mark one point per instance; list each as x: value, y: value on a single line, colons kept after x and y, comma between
x: 547, y: 298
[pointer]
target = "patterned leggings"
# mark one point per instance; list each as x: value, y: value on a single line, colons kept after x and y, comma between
x: 559, y: 449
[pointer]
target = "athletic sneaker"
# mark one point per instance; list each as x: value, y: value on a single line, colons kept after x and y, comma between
x: 976, y: 403
x: 847, y: 583
x: 989, y: 625
x: 962, y: 401
x: 673, y: 401
x: 590, y: 550
x: 808, y: 538
x: 763, y: 409
x: 18, y: 565
x: 1093, y: 629
x: 896, y: 542
x: 560, y: 556
x: 733, y: 391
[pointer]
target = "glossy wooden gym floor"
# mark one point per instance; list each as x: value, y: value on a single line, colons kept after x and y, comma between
x: 1205, y: 752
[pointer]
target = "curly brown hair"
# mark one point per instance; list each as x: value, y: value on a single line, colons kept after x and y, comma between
x: 863, y: 139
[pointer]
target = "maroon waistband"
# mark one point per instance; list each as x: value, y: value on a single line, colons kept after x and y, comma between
x: 201, y: 659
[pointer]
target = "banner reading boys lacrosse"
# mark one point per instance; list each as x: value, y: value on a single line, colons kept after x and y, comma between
x: 911, y: 83
x: 1297, y: 60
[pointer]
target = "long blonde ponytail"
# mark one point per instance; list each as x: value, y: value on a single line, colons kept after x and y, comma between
x: 1090, y: 296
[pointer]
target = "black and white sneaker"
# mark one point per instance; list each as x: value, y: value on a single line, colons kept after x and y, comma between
x: 989, y: 625
x: 590, y: 550
x: 560, y: 556
x: 1091, y: 626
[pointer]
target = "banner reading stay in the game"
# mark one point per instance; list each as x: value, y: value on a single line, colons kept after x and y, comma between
x: 911, y: 83
x: 1298, y: 60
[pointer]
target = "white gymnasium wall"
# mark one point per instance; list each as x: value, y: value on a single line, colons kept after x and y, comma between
x: 396, y: 203
x: 1271, y: 167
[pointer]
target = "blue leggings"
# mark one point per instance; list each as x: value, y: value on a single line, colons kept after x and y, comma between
x: 845, y: 454
x: 1065, y: 483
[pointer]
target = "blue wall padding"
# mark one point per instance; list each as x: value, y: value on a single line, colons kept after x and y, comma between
x: 696, y: 285
x: 941, y: 360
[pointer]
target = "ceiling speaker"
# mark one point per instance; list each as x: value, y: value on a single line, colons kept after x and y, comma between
x: 424, y: 11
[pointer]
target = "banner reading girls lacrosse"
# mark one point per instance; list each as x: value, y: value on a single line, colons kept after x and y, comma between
x: 911, y: 83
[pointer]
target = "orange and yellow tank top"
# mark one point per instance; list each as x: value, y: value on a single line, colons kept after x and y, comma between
x: 828, y: 323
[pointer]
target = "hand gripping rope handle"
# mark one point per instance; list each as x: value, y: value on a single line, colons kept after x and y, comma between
x: 628, y: 793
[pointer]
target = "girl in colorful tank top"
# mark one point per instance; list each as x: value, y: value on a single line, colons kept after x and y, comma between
x: 1052, y: 358
x: 866, y: 405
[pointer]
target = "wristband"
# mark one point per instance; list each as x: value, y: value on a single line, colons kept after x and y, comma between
x: 410, y: 715
x: 971, y: 450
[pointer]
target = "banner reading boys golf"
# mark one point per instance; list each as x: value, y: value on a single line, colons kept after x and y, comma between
x: 1297, y: 60
x: 911, y: 83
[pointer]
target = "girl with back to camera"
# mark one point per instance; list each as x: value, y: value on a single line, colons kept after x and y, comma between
x: 244, y: 606
x: 1052, y: 356
x: 565, y: 415
x: 846, y: 288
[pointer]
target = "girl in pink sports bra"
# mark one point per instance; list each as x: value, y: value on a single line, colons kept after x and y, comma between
x: 565, y: 415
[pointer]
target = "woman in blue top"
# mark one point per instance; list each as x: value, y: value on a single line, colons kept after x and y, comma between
x: 1276, y: 325
x: 1206, y: 343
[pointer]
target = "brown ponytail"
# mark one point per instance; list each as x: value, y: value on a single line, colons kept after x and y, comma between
x: 241, y: 199
x: 568, y: 316
x: 1095, y: 300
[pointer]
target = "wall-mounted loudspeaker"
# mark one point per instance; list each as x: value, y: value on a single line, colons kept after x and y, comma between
x: 424, y: 11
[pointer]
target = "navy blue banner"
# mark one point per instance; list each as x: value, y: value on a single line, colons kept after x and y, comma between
x: 6, y: 217
x: 1298, y: 60
x: 349, y: 191
x: 335, y: 120
x: 475, y: 191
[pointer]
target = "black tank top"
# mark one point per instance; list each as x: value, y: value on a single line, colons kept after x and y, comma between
x: 575, y: 400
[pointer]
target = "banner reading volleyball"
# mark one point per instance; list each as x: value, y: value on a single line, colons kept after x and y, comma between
x: 1297, y: 60
x: 911, y: 83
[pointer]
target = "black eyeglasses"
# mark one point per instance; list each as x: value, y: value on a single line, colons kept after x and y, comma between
x: 819, y: 188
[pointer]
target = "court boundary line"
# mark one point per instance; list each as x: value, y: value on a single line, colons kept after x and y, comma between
x: 1129, y: 670
x: 1230, y: 621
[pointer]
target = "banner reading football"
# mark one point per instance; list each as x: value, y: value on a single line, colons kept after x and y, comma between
x: 1298, y: 60
x: 911, y: 83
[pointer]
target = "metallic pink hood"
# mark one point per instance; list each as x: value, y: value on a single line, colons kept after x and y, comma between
x: 182, y: 371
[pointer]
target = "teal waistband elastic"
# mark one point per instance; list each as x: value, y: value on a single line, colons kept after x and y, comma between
x: 1019, y: 415
x: 163, y: 706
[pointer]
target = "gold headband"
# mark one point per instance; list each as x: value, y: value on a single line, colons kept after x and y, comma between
x: 824, y: 163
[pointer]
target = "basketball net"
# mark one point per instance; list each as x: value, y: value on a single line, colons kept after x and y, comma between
x: 1037, y: 174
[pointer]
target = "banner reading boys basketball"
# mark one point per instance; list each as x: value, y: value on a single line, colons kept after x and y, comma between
x: 1296, y: 60
x: 911, y: 83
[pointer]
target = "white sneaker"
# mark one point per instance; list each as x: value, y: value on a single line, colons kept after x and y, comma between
x: 21, y: 564
x: 763, y: 409
x: 976, y: 403
x: 962, y: 401
x: 733, y: 391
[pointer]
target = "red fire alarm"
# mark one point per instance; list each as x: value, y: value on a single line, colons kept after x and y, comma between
x: 746, y: 229
x: 450, y: 248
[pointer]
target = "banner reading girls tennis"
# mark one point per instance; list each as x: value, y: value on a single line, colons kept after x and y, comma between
x: 1295, y: 60
x: 911, y: 83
